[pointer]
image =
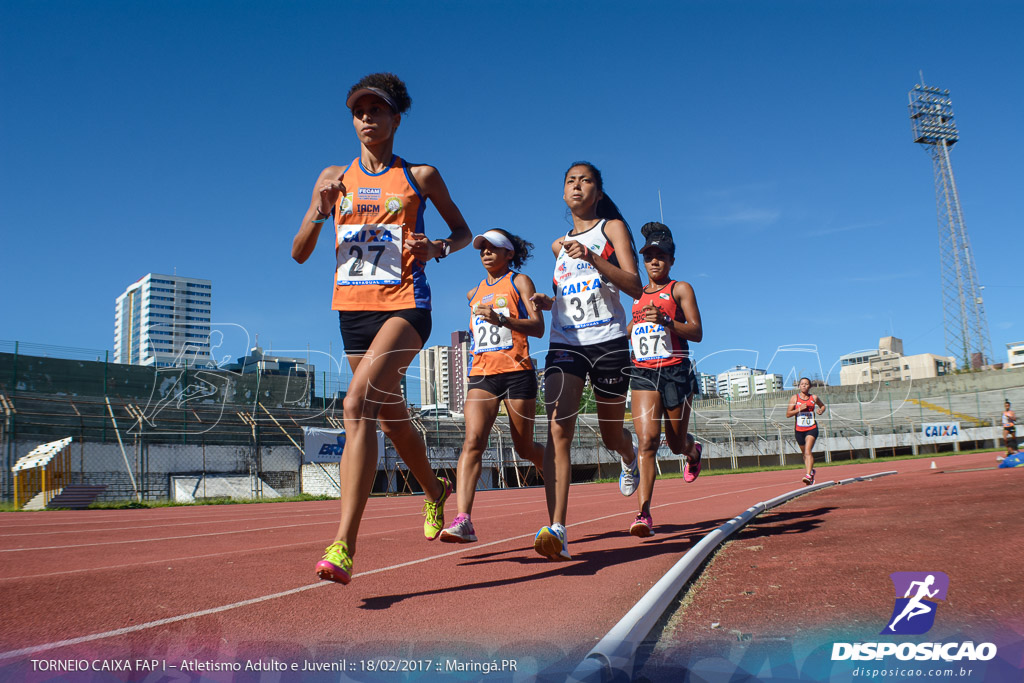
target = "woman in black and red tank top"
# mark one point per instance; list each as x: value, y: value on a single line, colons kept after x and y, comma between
x: 665, y: 319
x: 802, y: 407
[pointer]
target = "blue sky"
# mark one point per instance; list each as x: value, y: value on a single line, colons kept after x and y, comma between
x: 186, y: 136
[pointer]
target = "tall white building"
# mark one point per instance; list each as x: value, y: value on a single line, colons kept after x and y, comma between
x: 708, y: 384
x: 162, y: 321
x: 435, y: 375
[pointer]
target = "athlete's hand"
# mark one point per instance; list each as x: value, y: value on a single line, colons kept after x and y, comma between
x: 330, y: 190
x: 421, y: 247
x: 486, y: 313
x: 578, y: 250
x: 541, y: 302
x: 652, y: 314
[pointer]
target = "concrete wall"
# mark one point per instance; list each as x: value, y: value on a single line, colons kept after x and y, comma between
x: 152, y: 467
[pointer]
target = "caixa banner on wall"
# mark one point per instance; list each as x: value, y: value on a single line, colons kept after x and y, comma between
x: 940, y: 432
x: 327, y: 445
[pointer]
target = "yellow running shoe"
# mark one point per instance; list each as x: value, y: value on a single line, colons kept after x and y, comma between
x: 434, y: 522
x: 336, y: 565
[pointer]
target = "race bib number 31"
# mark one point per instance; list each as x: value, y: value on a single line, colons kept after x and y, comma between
x: 369, y: 255
x: 583, y: 307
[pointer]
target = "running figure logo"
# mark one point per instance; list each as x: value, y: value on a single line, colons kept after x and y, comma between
x: 914, y: 613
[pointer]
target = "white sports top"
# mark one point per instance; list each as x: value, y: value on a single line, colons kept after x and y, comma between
x: 587, y: 309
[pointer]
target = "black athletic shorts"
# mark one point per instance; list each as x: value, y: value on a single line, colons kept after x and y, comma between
x: 673, y: 382
x: 516, y: 385
x: 607, y: 363
x: 358, y: 328
x: 801, y: 437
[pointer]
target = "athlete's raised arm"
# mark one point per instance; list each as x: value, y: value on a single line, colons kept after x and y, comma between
x: 326, y: 191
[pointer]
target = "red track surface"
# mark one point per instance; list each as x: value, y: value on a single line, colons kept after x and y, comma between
x: 816, y: 571
x: 228, y: 584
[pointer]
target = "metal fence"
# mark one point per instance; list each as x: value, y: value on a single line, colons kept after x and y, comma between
x: 156, y: 451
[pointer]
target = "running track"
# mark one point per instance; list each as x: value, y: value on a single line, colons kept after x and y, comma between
x: 236, y: 583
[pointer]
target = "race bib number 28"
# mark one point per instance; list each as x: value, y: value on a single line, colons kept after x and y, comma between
x: 369, y: 255
x: 488, y: 337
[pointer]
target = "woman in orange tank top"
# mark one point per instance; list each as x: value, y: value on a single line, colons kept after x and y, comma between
x: 500, y: 322
x: 382, y: 297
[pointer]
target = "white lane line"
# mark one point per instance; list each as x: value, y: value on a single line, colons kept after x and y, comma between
x: 290, y: 545
x: 166, y: 538
x: 156, y: 526
x: 273, y: 596
x: 412, y: 512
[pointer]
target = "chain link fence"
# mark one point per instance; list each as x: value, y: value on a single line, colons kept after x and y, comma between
x: 183, y: 449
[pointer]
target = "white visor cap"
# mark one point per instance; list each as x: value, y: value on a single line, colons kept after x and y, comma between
x: 496, y: 238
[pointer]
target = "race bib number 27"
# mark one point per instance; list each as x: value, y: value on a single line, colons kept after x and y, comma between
x: 369, y: 255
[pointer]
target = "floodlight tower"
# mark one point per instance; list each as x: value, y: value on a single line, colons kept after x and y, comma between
x: 963, y: 311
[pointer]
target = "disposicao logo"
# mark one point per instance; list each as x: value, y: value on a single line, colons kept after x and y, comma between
x: 914, y: 612
x: 917, y: 596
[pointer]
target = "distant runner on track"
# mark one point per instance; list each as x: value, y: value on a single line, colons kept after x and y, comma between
x: 1009, y: 429
x: 801, y: 406
x: 382, y: 298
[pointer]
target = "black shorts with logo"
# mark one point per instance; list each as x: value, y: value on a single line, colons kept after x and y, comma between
x: 358, y: 328
x: 607, y: 364
x: 515, y: 385
x: 801, y: 437
x: 674, y: 382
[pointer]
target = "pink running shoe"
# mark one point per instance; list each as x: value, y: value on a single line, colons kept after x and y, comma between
x: 808, y: 478
x: 460, y: 531
x: 692, y: 469
x: 643, y: 526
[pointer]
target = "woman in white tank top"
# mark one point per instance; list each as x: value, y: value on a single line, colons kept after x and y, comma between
x: 593, y: 262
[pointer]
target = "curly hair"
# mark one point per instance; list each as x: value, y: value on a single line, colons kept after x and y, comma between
x: 389, y: 83
x: 523, y: 249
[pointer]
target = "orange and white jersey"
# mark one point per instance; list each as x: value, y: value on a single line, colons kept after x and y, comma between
x: 497, y: 350
x: 378, y: 213
x: 805, y: 418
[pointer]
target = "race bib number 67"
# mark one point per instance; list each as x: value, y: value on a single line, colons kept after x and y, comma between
x: 369, y: 254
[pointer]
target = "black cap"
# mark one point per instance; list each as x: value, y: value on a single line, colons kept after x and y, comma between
x: 658, y: 237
